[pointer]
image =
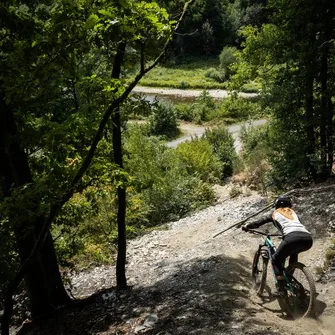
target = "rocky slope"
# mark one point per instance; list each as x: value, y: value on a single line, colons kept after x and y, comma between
x: 184, y: 281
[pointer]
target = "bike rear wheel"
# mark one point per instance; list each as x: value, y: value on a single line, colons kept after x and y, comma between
x: 259, y: 272
x: 301, y: 291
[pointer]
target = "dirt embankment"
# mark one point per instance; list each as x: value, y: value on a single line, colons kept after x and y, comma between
x: 186, y: 282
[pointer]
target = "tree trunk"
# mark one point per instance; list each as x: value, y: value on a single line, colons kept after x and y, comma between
x: 43, y: 280
x: 324, y: 110
x: 329, y: 28
x: 309, y: 120
x: 121, y: 191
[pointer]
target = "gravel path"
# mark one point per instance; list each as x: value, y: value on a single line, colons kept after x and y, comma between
x: 191, y: 130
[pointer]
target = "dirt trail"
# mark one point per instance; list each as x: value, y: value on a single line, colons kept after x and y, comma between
x: 191, y: 130
x: 185, y: 282
x: 190, y: 283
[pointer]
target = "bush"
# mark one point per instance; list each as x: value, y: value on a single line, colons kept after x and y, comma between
x: 217, y: 75
x: 204, y: 107
x: 222, y: 143
x: 227, y: 58
x: 163, y: 121
x: 185, y: 112
x: 163, y: 180
x: 200, y: 160
x: 235, y: 109
x: 255, y: 156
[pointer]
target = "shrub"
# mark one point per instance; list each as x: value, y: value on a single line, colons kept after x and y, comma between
x: 227, y: 58
x: 215, y: 74
x: 235, y: 109
x: 222, y: 143
x: 163, y: 121
x: 163, y: 179
x: 185, y: 112
x: 200, y: 160
x: 254, y: 155
x: 183, y: 85
x: 203, y: 107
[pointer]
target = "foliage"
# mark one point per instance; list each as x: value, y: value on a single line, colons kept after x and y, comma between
x: 163, y: 121
x: 86, y: 232
x: 229, y: 110
x: 218, y: 75
x: 227, y: 58
x: 201, y: 110
x: 235, y: 109
x: 222, y: 143
x: 208, y: 38
x: 295, y: 66
x: 255, y: 156
x: 57, y: 89
x: 191, y: 74
x: 203, y: 107
x: 199, y: 159
x: 163, y: 179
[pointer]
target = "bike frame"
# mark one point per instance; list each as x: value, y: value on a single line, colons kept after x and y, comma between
x: 271, y: 249
x: 295, y: 295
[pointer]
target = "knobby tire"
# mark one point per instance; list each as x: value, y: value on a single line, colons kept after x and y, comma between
x: 300, y: 299
x: 259, y: 272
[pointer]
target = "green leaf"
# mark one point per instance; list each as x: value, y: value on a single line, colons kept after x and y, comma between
x: 92, y: 21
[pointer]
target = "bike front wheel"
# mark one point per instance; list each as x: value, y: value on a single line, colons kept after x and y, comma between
x: 259, y: 272
x: 301, y: 291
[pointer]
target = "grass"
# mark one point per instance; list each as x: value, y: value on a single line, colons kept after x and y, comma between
x: 190, y: 74
x: 187, y: 75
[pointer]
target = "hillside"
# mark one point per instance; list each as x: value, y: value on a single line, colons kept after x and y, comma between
x: 186, y: 282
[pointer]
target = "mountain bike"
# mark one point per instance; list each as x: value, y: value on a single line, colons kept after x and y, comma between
x: 298, y: 299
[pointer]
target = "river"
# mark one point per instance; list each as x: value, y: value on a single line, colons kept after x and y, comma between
x: 179, y: 95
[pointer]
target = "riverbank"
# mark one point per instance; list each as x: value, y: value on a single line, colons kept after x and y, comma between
x: 215, y: 93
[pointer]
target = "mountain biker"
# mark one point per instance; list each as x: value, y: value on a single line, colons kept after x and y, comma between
x: 295, y: 237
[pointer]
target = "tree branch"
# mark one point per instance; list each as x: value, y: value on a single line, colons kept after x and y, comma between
x: 14, y: 283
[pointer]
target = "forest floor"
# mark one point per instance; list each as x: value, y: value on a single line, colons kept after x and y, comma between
x: 183, y: 281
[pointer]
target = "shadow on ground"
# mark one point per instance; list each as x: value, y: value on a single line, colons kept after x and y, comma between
x: 204, y: 296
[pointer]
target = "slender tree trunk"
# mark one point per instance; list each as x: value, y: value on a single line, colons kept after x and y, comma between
x: 43, y: 280
x: 326, y: 114
x: 329, y: 36
x: 309, y: 120
x: 330, y: 136
x: 121, y: 191
x: 324, y: 104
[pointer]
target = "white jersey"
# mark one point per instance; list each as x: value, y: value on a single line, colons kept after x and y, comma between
x: 287, y: 221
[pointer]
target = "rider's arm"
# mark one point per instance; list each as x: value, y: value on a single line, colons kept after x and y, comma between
x: 263, y: 220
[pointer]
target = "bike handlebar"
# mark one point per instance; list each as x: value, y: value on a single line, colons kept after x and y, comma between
x: 252, y: 231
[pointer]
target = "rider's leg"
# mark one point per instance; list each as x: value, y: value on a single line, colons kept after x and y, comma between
x: 278, y: 260
x: 291, y: 245
x: 293, y: 258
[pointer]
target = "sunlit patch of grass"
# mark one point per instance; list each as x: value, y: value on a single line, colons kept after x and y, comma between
x: 188, y: 75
